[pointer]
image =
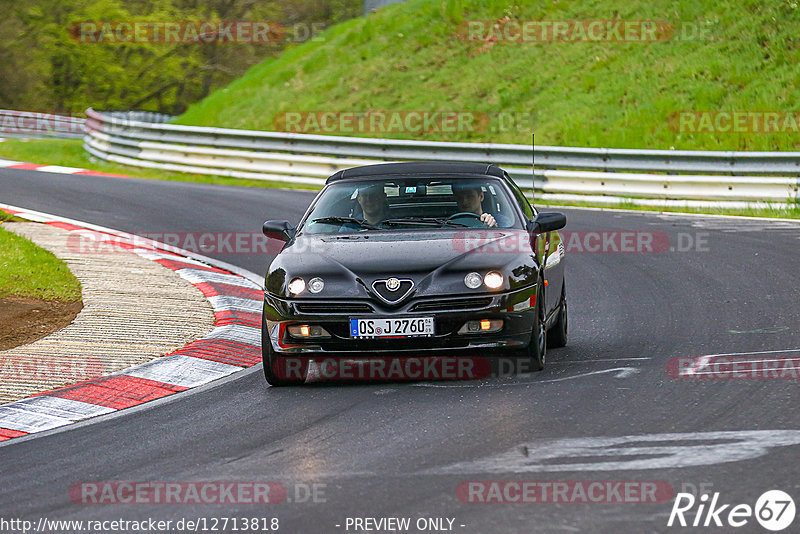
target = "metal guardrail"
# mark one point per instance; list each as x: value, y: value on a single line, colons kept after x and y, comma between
x: 36, y: 124
x: 615, y: 174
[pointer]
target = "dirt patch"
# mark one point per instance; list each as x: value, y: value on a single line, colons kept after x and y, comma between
x: 24, y: 320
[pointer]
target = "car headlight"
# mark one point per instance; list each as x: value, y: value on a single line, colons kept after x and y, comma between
x: 297, y: 286
x: 493, y: 280
x: 473, y: 280
x: 315, y: 285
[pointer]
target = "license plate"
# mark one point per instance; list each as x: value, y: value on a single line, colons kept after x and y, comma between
x: 405, y: 327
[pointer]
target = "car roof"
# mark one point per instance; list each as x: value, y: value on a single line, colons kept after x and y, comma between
x: 419, y: 167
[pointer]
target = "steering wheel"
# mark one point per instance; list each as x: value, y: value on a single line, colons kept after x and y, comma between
x: 464, y: 214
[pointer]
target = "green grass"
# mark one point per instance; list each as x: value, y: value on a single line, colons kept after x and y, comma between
x: 70, y: 153
x: 790, y: 212
x: 27, y: 270
x: 411, y: 56
x: 7, y: 217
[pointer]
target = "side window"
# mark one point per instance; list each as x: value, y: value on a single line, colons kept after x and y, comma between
x: 521, y: 200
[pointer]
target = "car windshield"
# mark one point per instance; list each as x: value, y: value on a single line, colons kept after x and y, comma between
x: 405, y: 203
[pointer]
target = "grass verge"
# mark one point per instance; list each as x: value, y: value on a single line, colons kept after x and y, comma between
x: 28, y: 271
x: 791, y: 212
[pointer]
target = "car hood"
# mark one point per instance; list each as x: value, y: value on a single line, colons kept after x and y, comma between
x: 419, y: 255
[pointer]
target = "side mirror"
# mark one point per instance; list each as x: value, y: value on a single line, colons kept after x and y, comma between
x: 278, y: 230
x: 547, y: 222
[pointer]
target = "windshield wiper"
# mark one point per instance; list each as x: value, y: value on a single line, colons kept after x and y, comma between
x: 345, y: 220
x: 425, y: 221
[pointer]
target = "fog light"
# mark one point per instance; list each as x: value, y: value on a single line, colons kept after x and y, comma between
x: 305, y: 331
x: 316, y: 285
x: 483, y: 326
x: 473, y: 280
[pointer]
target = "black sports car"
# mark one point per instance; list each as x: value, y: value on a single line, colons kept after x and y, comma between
x: 394, y: 259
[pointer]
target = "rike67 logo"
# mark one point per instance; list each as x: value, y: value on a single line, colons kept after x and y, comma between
x: 774, y: 510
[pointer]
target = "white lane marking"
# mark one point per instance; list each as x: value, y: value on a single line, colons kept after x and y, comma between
x: 197, y: 276
x: 773, y: 330
x: 9, y: 163
x: 770, y: 360
x: 747, y: 225
x: 793, y: 369
x: 59, y: 169
x: 250, y: 335
x: 702, y: 361
x: 182, y: 370
x: 224, y: 302
x: 621, y: 372
x: 666, y: 451
x: 748, y: 353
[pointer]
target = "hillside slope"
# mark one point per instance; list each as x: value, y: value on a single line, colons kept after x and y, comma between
x: 420, y: 56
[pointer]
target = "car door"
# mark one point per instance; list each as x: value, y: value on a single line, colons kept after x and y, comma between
x: 549, y: 251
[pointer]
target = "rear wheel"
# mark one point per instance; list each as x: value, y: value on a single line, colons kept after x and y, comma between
x: 557, y: 335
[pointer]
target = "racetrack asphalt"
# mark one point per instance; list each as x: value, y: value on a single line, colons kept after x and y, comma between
x: 401, y: 450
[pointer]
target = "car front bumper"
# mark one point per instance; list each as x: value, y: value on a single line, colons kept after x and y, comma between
x: 516, y: 310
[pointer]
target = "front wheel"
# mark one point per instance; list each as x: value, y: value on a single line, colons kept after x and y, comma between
x: 268, y: 357
x: 536, y: 350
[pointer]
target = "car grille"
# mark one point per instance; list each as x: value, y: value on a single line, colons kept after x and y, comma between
x: 333, y: 307
x: 446, y: 305
x: 392, y: 297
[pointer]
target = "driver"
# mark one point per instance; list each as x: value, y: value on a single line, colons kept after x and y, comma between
x: 374, y: 205
x: 469, y: 198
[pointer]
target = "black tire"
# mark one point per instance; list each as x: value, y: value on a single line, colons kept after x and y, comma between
x: 536, y: 351
x: 557, y: 335
x: 268, y: 357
